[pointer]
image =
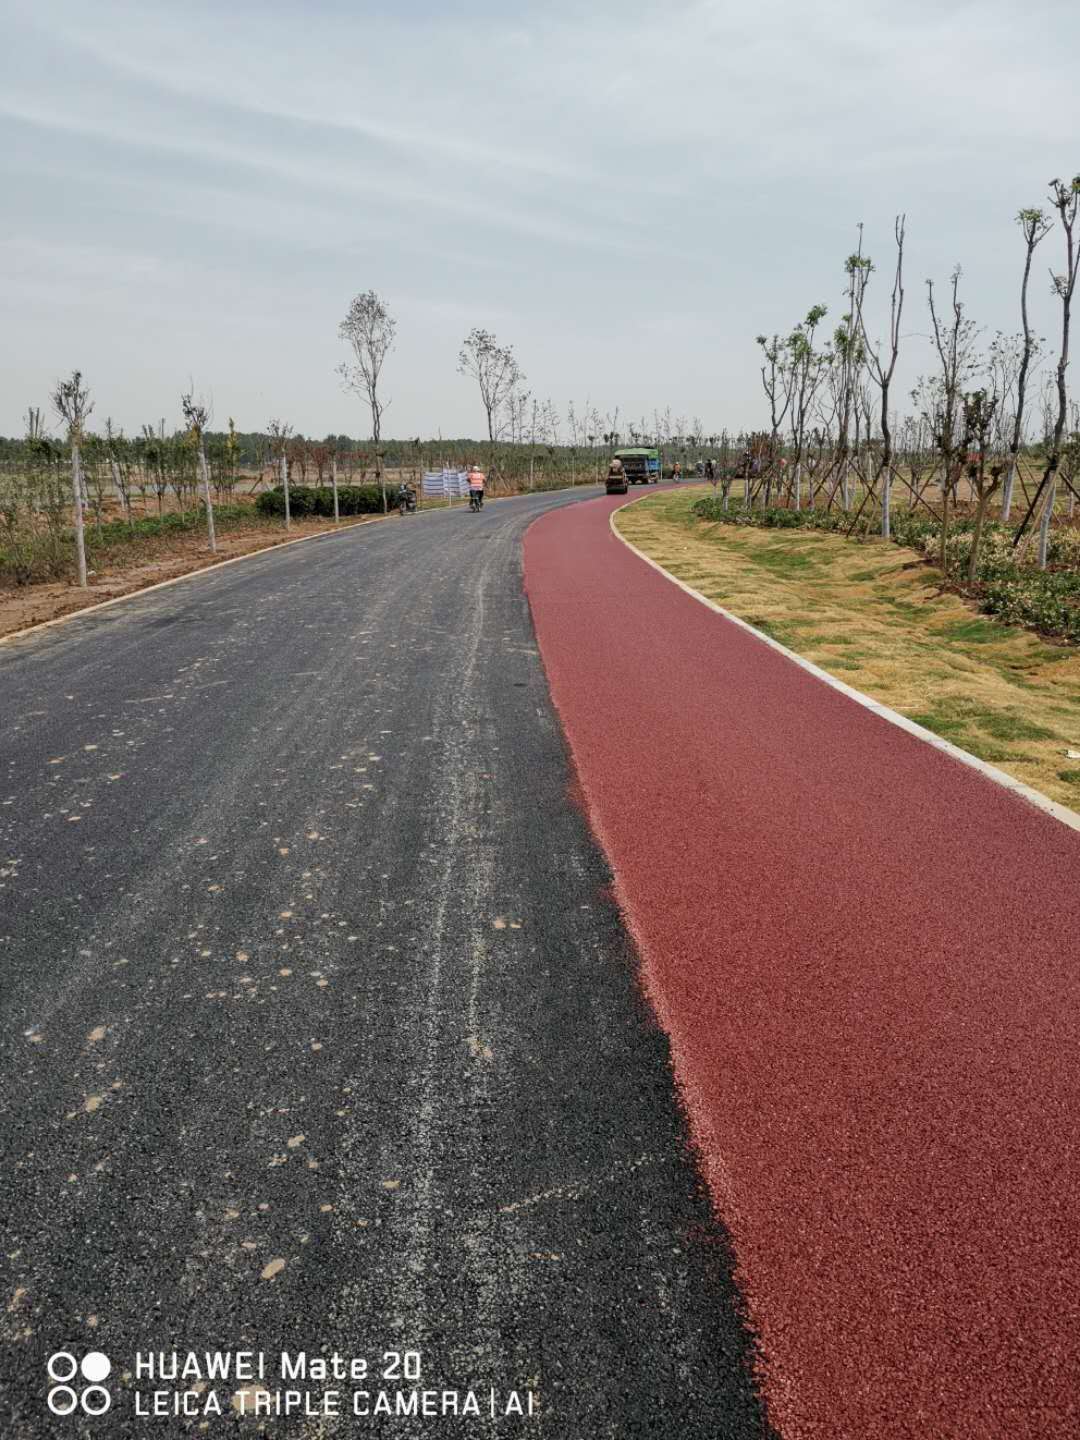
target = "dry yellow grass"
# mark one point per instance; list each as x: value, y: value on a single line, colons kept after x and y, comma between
x: 871, y: 613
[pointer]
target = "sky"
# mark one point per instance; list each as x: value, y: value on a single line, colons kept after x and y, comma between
x: 625, y: 192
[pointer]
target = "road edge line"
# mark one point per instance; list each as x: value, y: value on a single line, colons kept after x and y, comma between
x: 1033, y: 797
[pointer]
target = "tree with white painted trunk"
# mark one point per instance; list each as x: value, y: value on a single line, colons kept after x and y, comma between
x: 71, y: 400
x: 279, y: 449
x: 197, y: 417
x: 370, y: 329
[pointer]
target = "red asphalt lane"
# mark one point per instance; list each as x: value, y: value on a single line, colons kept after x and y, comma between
x: 866, y: 956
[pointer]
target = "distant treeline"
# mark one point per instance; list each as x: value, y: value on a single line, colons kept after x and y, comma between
x: 254, y: 449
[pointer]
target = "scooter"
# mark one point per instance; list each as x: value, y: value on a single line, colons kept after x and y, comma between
x: 476, y: 500
x: 407, y: 501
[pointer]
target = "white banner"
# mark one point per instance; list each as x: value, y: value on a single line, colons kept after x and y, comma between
x: 444, y: 484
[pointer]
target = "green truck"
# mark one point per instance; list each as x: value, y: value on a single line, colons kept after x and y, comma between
x: 641, y: 465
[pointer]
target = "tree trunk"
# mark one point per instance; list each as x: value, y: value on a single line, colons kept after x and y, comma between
x: 976, y: 539
x: 115, y: 469
x: 285, y: 487
x: 333, y: 482
x: 886, y: 501
x: 1044, y: 524
x: 1007, y: 492
x: 945, y: 494
x: 80, y: 537
x: 204, y: 471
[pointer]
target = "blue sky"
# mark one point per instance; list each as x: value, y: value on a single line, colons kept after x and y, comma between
x: 628, y: 193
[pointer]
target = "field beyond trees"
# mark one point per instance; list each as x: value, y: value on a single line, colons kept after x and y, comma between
x: 877, y: 615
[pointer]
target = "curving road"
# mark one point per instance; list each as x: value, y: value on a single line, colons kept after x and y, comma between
x: 320, y: 1029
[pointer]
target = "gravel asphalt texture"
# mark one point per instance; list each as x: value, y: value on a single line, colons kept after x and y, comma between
x: 867, y: 959
x: 321, y: 1029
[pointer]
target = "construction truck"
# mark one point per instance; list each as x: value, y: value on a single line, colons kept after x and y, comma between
x: 640, y: 465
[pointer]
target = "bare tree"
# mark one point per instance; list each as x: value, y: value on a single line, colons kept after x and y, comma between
x: 776, y: 381
x: 1034, y: 226
x: 848, y: 344
x: 954, y: 339
x: 1065, y: 196
x: 197, y: 415
x: 808, y: 367
x: 979, y: 409
x: 71, y: 400
x: 882, y: 372
x: 370, y: 329
x: 116, y: 446
x: 279, y: 449
x: 496, y: 371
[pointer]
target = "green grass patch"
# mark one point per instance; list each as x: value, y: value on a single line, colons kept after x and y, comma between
x: 1006, y: 726
x: 826, y: 640
x: 974, y: 631
x: 782, y: 561
x: 954, y: 717
x: 775, y: 631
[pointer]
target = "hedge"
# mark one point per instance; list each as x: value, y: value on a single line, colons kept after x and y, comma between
x: 312, y: 500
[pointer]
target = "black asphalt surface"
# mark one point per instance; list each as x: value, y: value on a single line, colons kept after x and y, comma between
x: 307, y: 957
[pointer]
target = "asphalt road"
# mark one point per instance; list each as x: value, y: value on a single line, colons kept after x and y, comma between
x: 865, y: 954
x: 320, y: 1028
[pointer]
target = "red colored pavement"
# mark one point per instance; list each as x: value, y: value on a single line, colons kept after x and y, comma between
x: 867, y: 957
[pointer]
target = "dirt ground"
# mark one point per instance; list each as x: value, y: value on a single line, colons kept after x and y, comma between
x: 179, y: 555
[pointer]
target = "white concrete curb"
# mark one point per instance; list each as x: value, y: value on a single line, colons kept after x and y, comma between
x: 1025, y: 792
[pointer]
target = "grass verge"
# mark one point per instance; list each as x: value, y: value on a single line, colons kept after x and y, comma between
x: 873, y: 615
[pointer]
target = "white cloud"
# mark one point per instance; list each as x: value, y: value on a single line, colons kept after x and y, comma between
x: 629, y: 191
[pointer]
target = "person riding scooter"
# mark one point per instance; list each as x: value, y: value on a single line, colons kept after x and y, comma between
x: 476, y: 480
x: 406, y: 498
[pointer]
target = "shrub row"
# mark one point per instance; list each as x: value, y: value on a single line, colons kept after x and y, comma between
x: 313, y: 500
x: 1043, y: 600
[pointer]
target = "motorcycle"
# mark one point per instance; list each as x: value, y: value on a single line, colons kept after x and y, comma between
x: 407, y: 501
x: 476, y: 500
